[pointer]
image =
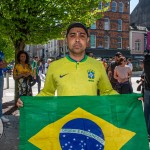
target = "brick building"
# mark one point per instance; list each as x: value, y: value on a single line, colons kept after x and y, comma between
x: 111, y: 33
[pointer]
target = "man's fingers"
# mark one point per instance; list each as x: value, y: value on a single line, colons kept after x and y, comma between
x: 140, y: 99
x: 19, y: 103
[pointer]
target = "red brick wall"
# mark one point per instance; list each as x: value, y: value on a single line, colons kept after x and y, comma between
x: 113, y: 33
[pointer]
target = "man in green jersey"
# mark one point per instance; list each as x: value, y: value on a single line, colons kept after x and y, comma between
x: 77, y: 73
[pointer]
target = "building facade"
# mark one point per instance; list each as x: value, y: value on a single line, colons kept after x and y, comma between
x: 48, y: 50
x: 138, y: 41
x: 111, y: 33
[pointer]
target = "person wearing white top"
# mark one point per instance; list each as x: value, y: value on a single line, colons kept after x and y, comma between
x: 129, y: 64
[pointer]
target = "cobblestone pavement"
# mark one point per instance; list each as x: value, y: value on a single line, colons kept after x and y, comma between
x: 10, y: 137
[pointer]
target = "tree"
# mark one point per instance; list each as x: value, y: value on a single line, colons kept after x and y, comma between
x: 37, y: 21
x: 6, y: 46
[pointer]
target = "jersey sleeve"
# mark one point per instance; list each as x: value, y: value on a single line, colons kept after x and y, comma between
x: 49, y: 85
x: 104, y: 84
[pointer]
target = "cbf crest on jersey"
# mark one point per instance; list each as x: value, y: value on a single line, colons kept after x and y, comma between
x: 91, y: 75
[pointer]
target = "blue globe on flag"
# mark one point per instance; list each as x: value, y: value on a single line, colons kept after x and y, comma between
x: 81, y: 134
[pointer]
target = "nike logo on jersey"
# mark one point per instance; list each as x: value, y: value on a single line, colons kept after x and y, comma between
x: 61, y: 76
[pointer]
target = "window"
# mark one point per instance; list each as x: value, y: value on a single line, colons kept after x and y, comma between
x: 93, y: 26
x: 93, y: 41
x: 114, y: 6
x: 121, y: 7
x: 100, y: 6
x: 106, y: 42
x: 119, y: 46
x: 106, y: 24
x: 119, y: 25
x: 137, y: 45
x: 107, y: 5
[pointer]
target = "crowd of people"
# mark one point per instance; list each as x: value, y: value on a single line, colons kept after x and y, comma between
x: 119, y: 71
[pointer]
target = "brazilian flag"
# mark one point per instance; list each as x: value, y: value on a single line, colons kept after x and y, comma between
x: 83, y: 123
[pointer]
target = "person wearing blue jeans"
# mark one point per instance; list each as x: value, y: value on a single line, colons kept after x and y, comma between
x: 2, y: 65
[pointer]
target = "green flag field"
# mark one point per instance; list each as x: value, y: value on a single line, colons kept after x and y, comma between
x: 113, y: 122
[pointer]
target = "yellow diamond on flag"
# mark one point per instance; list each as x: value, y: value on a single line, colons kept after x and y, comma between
x: 83, y: 128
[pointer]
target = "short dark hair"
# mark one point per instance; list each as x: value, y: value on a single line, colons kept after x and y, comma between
x: 118, y: 54
x: 27, y: 56
x: 77, y: 24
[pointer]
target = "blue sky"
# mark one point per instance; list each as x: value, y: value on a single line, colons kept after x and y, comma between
x: 133, y: 4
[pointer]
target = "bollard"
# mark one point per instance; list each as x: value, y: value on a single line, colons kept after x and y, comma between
x: 7, y: 80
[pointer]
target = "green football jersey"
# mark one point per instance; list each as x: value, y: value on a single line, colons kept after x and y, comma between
x: 71, y: 78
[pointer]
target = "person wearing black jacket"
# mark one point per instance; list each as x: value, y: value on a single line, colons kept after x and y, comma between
x: 111, y: 69
x: 147, y: 92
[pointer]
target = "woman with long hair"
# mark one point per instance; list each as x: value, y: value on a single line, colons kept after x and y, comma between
x: 123, y: 73
x: 22, y: 73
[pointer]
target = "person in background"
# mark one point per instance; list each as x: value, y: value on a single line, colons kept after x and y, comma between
x: 111, y: 68
x: 141, y: 81
x: 3, y: 65
x: 47, y: 64
x: 104, y: 63
x: 147, y: 92
x: 90, y: 54
x: 129, y: 64
x: 35, y: 70
x: 41, y: 70
x: 76, y: 74
x: 122, y: 73
x: 22, y: 73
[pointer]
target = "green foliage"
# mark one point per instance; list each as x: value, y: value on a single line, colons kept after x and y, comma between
x: 37, y: 21
x: 6, y: 46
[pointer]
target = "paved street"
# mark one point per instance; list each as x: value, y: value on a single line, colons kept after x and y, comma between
x: 10, y: 137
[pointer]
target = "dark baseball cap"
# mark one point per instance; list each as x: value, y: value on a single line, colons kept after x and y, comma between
x: 77, y: 24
